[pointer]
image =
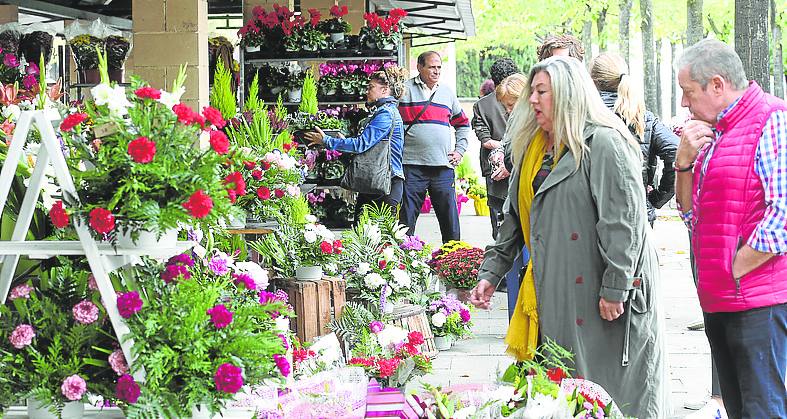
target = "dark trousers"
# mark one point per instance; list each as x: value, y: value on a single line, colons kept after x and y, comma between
x: 715, y: 387
x: 514, y: 279
x: 391, y: 200
x: 439, y: 182
x: 751, y: 349
x: 495, y: 205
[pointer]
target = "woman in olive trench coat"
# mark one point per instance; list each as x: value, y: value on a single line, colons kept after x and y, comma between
x: 589, y: 240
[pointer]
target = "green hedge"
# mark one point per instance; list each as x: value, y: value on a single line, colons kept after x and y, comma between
x: 472, y: 66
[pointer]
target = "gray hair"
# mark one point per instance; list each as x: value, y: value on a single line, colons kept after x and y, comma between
x: 711, y: 57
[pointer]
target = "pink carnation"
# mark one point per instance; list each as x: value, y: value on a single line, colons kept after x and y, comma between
x: 118, y: 362
x: 228, y: 378
x: 22, y: 336
x: 20, y: 291
x: 282, y: 364
x: 127, y: 389
x: 85, y: 312
x: 91, y: 283
x: 73, y: 387
x: 220, y: 316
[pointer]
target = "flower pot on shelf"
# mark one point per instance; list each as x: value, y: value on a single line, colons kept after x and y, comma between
x: 71, y: 410
x: 388, y: 46
x: 117, y: 75
x: 443, y: 343
x: 481, y: 207
x: 337, y: 37
x: 149, y: 239
x: 253, y: 49
x: 308, y: 273
x: 294, y: 95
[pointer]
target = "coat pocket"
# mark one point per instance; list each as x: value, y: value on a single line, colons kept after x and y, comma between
x: 642, y: 295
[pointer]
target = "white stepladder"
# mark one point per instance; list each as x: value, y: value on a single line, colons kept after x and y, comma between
x: 103, y: 258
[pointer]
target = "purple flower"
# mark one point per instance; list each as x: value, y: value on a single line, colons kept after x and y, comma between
x: 129, y: 303
x: 284, y: 342
x: 32, y: 68
x: 118, y: 362
x: 172, y: 272
x: 22, y: 336
x: 412, y: 243
x: 73, y: 387
x: 267, y: 297
x: 181, y: 259
x: 228, y: 378
x: 282, y: 296
x: 29, y: 81
x: 85, y: 312
x: 465, y: 315
x: 376, y: 326
x: 127, y: 389
x: 245, y: 279
x: 282, y: 364
x: 20, y: 291
x: 10, y: 60
x: 219, y: 265
x: 220, y: 316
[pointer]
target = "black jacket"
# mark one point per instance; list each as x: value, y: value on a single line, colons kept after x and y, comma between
x: 658, y: 141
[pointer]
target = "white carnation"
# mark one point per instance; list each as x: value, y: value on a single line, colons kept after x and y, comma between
x: 401, y: 278
x: 438, y: 319
x: 374, y: 280
x: 363, y: 268
x: 388, y: 253
x: 310, y: 236
x: 391, y: 336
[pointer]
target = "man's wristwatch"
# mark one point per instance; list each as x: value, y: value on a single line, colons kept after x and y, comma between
x: 682, y: 169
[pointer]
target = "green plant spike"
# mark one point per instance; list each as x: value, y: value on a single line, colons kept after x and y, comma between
x: 253, y: 102
x: 103, y: 67
x: 41, y: 83
x: 180, y: 79
x: 309, y: 95
x: 221, y: 95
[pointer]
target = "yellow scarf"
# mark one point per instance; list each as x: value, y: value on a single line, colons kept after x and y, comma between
x: 522, y: 336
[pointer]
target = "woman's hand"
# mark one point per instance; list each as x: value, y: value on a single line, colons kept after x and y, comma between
x: 610, y: 310
x: 315, y: 138
x: 481, y: 295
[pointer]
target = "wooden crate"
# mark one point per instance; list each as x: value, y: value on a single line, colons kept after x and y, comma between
x: 315, y: 302
x: 413, y: 318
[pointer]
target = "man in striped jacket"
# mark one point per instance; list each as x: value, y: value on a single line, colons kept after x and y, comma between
x: 430, y: 155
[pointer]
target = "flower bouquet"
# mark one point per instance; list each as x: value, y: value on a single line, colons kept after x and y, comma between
x: 449, y: 317
x: 36, y: 44
x: 117, y: 49
x: 294, y: 247
x: 56, y: 346
x: 203, y: 328
x: 457, y: 264
x: 145, y: 163
x: 384, y: 33
x: 478, y: 193
x: 390, y: 354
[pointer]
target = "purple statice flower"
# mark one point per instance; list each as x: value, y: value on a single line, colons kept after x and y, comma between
x: 219, y: 265
x: 412, y: 243
x: 447, y: 304
x: 376, y: 326
x: 181, y: 259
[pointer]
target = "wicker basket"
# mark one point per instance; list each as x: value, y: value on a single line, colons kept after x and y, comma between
x: 413, y: 318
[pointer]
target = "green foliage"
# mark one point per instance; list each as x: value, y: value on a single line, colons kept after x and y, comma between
x: 465, y: 169
x: 295, y: 245
x: 297, y: 211
x: 355, y: 317
x: 253, y: 103
x: 309, y: 95
x: 221, y: 95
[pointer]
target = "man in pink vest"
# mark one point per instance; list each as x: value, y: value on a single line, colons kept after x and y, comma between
x: 731, y: 187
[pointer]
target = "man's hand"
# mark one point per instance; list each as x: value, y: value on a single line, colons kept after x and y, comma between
x: 500, y: 173
x: 747, y: 259
x: 610, y: 310
x: 491, y: 144
x: 695, y: 135
x: 315, y: 138
x: 454, y: 158
x: 481, y: 295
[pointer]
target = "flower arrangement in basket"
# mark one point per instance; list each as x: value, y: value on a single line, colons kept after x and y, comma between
x: 295, y: 246
x: 56, y: 345
x: 383, y: 33
x: 457, y: 264
x: 449, y: 317
x: 390, y: 354
x: 143, y: 162
x: 203, y: 328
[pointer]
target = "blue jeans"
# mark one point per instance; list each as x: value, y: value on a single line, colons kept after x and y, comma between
x: 439, y: 181
x: 514, y: 279
x: 750, y: 349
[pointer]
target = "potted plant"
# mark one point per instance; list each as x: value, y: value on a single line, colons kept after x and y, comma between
x: 449, y: 319
x: 117, y: 49
x: 390, y: 355
x: 294, y: 86
x: 383, y: 33
x: 204, y: 328
x: 457, y: 264
x: 301, y: 35
x: 137, y: 166
x: 328, y: 86
x: 265, y: 28
x: 56, y: 345
x: 86, y: 48
x: 300, y: 250
x: 336, y: 26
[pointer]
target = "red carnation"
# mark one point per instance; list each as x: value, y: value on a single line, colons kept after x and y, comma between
x: 199, y: 204
x: 249, y: 165
x: 102, y: 220
x: 142, y: 150
x: 337, y: 247
x: 257, y: 174
x: 58, y: 215
x: 72, y: 120
x: 278, y: 193
x: 263, y: 193
x: 287, y: 147
x: 265, y: 165
x: 184, y: 113
x: 415, y: 338
x: 148, y: 93
x: 556, y: 374
x: 214, y: 117
x: 383, y: 263
x: 326, y: 247
x: 219, y: 142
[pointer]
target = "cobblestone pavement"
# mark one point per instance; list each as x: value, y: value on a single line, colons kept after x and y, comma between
x: 480, y: 358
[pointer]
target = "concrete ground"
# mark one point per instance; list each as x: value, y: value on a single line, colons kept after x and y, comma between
x: 479, y: 359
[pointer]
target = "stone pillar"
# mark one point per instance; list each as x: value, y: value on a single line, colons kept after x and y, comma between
x: 9, y: 13
x: 168, y: 34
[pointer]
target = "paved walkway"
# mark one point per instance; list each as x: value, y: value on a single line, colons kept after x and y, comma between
x: 479, y: 359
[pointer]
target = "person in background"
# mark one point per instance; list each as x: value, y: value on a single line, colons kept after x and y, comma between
x: 487, y: 87
x: 576, y: 200
x: 489, y: 124
x: 611, y: 75
x: 384, y: 89
x: 429, y: 110
x: 561, y: 45
x: 731, y: 169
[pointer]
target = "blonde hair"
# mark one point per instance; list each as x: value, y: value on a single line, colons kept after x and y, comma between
x: 511, y: 86
x: 393, y: 77
x: 610, y: 74
x: 575, y: 102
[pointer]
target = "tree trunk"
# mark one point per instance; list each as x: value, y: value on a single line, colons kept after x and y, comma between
x: 648, y: 53
x: 601, y: 22
x: 674, y: 72
x: 623, y: 29
x: 751, y: 39
x: 778, y: 63
x: 694, y: 29
x: 587, y: 35
x: 657, y: 109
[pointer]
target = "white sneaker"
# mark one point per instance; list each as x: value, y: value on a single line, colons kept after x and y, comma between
x: 711, y: 410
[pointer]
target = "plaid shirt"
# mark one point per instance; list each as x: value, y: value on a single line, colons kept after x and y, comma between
x: 770, y: 164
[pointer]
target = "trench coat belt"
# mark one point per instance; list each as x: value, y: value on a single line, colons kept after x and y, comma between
x: 625, y: 360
